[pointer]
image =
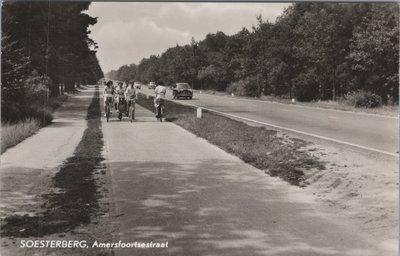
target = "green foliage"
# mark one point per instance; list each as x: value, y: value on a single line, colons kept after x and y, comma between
x: 245, y: 87
x: 306, y: 87
x: 14, y: 72
x: 374, y: 53
x: 124, y: 73
x: 50, y: 38
x: 30, y: 102
x: 14, y: 64
x: 237, y: 88
x: 314, y: 51
x: 12, y: 134
x: 211, y: 76
x: 36, y: 88
x: 364, y: 99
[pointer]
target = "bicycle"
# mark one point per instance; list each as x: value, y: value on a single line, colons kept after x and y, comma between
x: 121, y: 107
x: 131, y: 104
x: 159, y: 104
x: 108, y: 107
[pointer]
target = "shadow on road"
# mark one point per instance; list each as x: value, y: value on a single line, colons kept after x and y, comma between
x: 216, y: 207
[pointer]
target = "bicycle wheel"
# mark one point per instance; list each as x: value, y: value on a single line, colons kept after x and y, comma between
x: 161, y: 112
x: 108, y: 111
x: 131, y: 113
x: 158, y: 112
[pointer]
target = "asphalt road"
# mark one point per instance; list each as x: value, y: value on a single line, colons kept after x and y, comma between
x: 373, y: 132
x: 170, y: 185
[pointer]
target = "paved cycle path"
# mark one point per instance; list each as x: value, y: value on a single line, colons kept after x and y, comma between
x: 26, y: 169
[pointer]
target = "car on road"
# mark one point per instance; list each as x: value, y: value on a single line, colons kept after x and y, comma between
x: 137, y: 85
x: 182, y: 90
x: 152, y: 85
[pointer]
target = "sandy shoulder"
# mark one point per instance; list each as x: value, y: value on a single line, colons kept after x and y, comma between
x: 362, y: 186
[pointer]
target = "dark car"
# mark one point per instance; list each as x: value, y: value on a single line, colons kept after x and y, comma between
x: 152, y: 85
x: 182, y: 90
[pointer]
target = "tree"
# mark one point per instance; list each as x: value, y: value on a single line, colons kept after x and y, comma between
x: 55, y: 37
x: 374, y: 52
x: 14, y: 67
x: 48, y: 41
x: 314, y: 51
x: 211, y: 76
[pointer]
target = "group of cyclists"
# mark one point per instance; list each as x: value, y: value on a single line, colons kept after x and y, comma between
x: 126, y: 95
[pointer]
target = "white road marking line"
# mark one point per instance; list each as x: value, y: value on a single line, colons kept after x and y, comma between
x: 297, y: 131
x: 316, y: 108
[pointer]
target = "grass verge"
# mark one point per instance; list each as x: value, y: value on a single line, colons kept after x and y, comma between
x: 75, y: 196
x: 13, y: 133
x: 258, y: 146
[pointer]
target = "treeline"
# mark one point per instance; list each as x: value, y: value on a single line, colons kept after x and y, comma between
x: 44, y: 45
x: 314, y: 51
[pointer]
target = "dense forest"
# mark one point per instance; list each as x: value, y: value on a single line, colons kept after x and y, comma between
x: 314, y: 51
x: 44, y: 45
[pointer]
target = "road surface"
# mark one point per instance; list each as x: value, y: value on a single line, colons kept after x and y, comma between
x: 169, y: 185
x: 373, y: 132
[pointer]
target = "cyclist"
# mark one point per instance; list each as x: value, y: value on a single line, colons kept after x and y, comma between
x: 119, y: 92
x: 130, y: 96
x: 160, y: 92
x: 108, y: 93
x: 115, y: 86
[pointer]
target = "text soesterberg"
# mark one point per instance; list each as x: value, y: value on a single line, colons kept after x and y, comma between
x: 83, y: 244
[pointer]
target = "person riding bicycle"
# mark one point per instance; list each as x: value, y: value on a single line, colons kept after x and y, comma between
x: 160, y: 92
x: 130, y: 96
x: 119, y: 93
x: 108, y: 93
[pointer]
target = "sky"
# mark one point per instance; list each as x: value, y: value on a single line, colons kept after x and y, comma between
x: 127, y: 32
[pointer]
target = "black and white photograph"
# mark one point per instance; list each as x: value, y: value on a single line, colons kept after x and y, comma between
x: 196, y: 128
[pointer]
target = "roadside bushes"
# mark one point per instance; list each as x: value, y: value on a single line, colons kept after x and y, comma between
x: 36, y: 87
x: 36, y: 91
x: 306, y: 87
x: 363, y: 99
x: 25, y: 112
x: 245, y: 87
x: 238, y: 88
x: 29, y: 102
x: 12, y: 134
x: 15, y: 131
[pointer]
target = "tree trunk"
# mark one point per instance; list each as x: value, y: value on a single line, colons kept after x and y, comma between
x: 69, y: 86
x: 334, y: 85
x: 321, y: 91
